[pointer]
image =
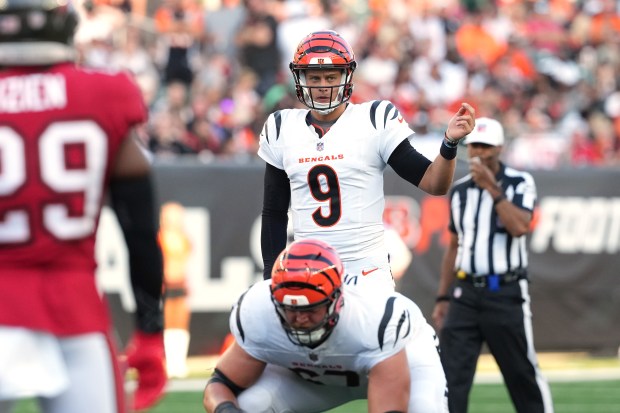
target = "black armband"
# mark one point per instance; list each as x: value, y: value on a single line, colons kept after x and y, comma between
x: 408, y: 163
x: 227, y: 407
x: 219, y: 377
x: 133, y: 202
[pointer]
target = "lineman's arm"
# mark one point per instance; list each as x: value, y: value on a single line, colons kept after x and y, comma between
x: 389, y: 384
x: 236, y: 371
x: 439, y: 175
x: 445, y: 281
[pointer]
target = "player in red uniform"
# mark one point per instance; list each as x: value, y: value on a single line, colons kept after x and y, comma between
x: 65, y: 139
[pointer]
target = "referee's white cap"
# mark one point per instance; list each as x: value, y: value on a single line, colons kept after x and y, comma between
x: 488, y: 131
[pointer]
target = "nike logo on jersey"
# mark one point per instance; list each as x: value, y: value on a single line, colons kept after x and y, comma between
x: 366, y: 272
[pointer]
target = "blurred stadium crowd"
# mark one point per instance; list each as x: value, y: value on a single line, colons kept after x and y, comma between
x: 212, y: 70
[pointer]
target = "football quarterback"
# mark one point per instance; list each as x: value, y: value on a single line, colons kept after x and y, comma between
x: 326, y: 162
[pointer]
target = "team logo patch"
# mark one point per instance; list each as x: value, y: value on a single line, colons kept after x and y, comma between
x: 320, y: 146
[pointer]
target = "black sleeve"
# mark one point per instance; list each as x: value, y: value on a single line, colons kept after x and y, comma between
x: 276, y: 200
x: 408, y: 163
x: 134, y: 204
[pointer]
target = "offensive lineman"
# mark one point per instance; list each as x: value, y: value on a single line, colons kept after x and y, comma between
x: 65, y: 139
x: 328, y: 162
x: 305, y: 344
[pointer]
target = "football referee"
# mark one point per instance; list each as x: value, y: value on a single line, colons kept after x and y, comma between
x: 483, y: 290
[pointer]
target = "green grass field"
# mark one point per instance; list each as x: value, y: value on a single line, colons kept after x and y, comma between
x: 569, y: 397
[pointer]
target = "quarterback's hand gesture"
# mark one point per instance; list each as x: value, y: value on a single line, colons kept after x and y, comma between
x: 462, y: 123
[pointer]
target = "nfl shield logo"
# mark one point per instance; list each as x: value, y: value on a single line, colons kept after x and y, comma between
x: 313, y: 357
x: 319, y: 146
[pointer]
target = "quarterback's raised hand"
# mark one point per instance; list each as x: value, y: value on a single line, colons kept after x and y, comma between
x: 145, y: 353
x: 462, y: 123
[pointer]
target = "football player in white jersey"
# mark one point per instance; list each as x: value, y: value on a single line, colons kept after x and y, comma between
x: 305, y: 344
x: 327, y: 162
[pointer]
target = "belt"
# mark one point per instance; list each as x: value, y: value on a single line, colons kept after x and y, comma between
x: 483, y: 280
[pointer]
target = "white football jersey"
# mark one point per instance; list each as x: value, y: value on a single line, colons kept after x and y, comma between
x: 368, y: 331
x: 337, y: 180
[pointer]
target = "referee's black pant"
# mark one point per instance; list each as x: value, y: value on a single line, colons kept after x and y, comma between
x: 502, y: 319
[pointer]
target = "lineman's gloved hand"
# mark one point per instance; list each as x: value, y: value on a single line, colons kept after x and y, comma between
x: 145, y: 353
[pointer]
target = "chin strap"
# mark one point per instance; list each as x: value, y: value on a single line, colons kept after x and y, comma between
x: 35, y: 53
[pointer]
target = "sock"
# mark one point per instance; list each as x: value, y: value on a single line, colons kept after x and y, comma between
x: 176, y: 343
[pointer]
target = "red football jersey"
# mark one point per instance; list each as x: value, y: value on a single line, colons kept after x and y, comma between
x: 60, y: 131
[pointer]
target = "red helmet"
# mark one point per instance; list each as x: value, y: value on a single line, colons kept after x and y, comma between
x: 323, y: 50
x: 307, y: 275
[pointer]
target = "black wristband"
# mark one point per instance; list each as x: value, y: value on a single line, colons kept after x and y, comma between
x: 447, y: 150
x: 499, y: 199
x: 441, y: 298
x: 227, y: 407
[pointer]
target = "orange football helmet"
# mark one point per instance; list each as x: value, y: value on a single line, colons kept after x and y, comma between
x: 323, y: 50
x: 307, y: 275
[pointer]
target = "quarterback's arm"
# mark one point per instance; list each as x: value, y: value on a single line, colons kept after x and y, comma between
x: 439, y: 175
x: 236, y: 371
x: 408, y: 163
x: 276, y: 200
x: 389, y: 384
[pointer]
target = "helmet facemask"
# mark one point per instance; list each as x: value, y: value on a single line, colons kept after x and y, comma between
x: 324, y: 50
x: 306, y: 276
x: 315, y: 335
x: 339, y: 93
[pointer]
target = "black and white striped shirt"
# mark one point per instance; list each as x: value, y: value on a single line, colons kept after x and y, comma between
x: 485, y: 247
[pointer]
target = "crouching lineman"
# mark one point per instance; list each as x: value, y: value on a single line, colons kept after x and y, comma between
x: 303, y: 344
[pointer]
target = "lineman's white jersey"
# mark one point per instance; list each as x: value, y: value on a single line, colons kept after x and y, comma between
x: 337, y: 180
x: 368, y: 331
